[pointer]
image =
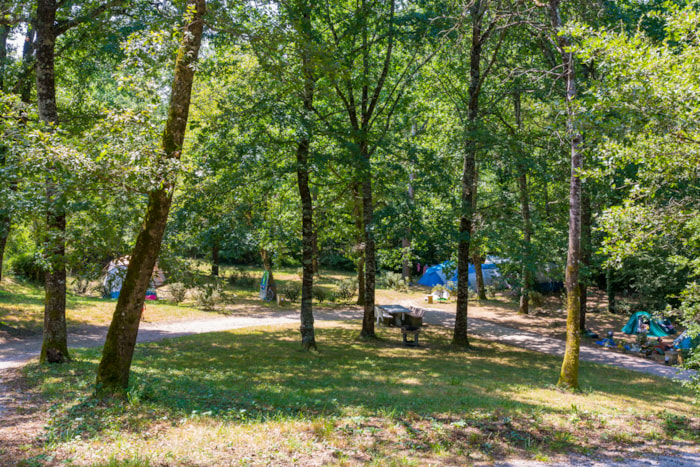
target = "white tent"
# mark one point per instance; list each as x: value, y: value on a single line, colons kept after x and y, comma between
x: 114, y: 275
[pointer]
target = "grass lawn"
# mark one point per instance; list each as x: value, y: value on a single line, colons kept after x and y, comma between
x: 250, y: 397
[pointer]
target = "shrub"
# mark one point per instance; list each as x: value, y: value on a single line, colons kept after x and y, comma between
x: 209, y: 296
x: 291, y: 291
x: 30, y: 266
x: 178, y: 292
x: 347, y: 288
x: 536, y: 299
x: 393, y: 281
x: 320, y: 294
x: 242, y: 279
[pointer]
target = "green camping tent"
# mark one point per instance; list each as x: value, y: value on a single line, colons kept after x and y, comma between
x: 642, y: 320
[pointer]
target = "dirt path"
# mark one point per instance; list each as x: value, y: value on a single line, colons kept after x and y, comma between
x: 15, y: 353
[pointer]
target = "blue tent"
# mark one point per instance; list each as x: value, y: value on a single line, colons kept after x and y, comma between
x: 435, y: 275
x: 685, y: 342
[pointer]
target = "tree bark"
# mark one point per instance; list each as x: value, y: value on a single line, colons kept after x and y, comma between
x: 359, y: 225
x: 308, y: 339
x: 459, y: 337
x: 474, y: 247
x: 215, y: 259
x: 370, y: 256
x: 4, y: 34
x: 526, y: 285
x: 610, y: 289
x: 569, y: 370
x: 113, y: 371
x: 586, y: 249
x: 406, y: 241
x: 55, y: 344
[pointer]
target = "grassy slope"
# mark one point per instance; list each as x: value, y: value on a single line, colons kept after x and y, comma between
x: 250, y: 397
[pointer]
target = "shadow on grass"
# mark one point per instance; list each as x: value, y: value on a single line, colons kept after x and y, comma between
x: 254, y: 376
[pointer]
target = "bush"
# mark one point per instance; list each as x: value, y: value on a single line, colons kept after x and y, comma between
x: 536, y: 299
x: 178, y: 292
x: 30, y: 266
x: 209, y: 296
x: 291, y: 291
x: 320, y: 294
x: 347, y: 288
x: 393, y: 281
x: 242, y: 279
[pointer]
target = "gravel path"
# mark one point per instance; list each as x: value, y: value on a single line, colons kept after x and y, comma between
x: 16, y: 352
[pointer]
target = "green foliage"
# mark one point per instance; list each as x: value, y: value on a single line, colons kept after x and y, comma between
x: 178, y: 292
x: 393, y: 281
x: 209, y: 296
x: 242, y: 279
x: 319, y: 294
x: 291, y: 291
x: 347, y: 288
x: 30, y: 266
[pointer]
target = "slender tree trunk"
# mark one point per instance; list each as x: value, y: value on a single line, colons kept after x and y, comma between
x: 317, y: 270
x: 479, y: 275
x: 569, y: 369
x: 474, y: 247
x: 25, y: 84
x: 370, y: 257
x: 524, y: 307
x: 459, y: 337
x: 4, y: 211
x: 113, y: 372
x: 586, y: 249
x: 308, y: 339
x: 4, y: 34
x: 406, y: 241
x: 4, y: 234
x: 215, y: 259
x: 55, y: 344
x: 610, y: 289
x: 357, y: 214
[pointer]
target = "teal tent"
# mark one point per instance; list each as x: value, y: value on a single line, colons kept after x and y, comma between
x: 642, y: 321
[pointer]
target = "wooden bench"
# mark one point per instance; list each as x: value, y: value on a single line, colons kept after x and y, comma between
x: 409, y: 319
x: 413, y: 331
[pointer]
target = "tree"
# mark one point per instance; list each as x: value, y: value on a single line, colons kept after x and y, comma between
x: 113, y: 371
x: 48, y: 29
x: 569, y: 369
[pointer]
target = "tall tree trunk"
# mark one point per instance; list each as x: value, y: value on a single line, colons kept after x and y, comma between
x: 359, y: 225
x: 25, y: 83
x: 569, y: 369
x: 113, y: 372
x: 586, y: 249
x: 215, y: 259
x: 55, y: 344
x: 370, y: 256
x: 459, y: 337
x: 406, y: 241
x: 317, y: 270
x: 474, y: 247
x: 308, y: 339
x: 4, y: 34
x: 524, y: 307
x: 479, y: 276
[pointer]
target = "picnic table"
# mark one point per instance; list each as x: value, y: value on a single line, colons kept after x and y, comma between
x: 409, y: 319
